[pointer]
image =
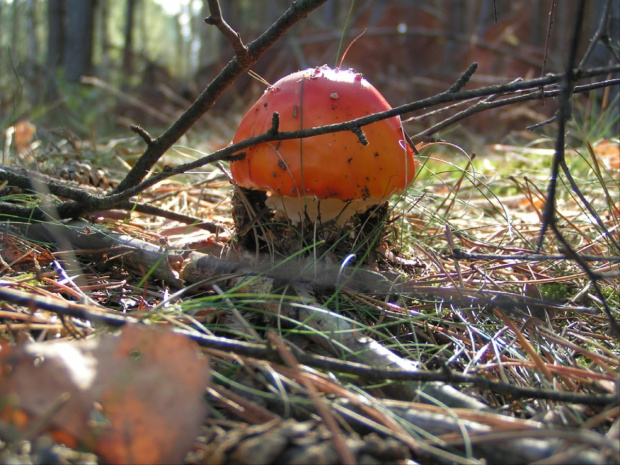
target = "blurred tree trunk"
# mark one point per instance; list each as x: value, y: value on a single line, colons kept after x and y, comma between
x: 194, y: 38
x: 104, y: 14
x: 455, y: 16
x: 130, y: 11
x: 209, y: 38
x: 2, y: 27
x: 78, y: 58
x: 56, y: 33
x: 14, y: 44
x: 31, y: 29
x: 180, y: 48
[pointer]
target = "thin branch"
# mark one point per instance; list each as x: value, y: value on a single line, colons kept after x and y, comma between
x: 297, y: 11
x: 146, y: 137
x: 559, y: 161
x: 549, y: 27
x: 216, y: 19
x: 23, y: 179
x: 464, y: 79
x: 253, y: 349
x: 573, y: 184
x: 152, y: 210
x: 460, y: 255
x: 487, y: 105
x: 564, y: 114
x: 601, y: 35
x: 614, y: 328
x: 83, y: 202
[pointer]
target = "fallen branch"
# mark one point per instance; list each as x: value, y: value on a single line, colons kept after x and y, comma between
x: 189, y: 271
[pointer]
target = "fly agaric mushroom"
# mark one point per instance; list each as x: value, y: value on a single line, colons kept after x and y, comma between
x: 331, y: 175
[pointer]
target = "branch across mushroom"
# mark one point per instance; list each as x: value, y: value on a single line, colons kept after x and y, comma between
x: 330, y: 176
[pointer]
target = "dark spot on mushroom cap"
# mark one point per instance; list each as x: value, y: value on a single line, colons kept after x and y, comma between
x: 349, y: 160
x: 376, y: 154
x: 282, y: 165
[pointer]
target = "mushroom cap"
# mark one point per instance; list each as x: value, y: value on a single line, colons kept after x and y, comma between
x: 328, y: 166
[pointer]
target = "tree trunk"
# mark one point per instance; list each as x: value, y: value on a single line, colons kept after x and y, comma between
x: 78, y: 58
x: 31, y: 30
x: 104, y: 38
x: 128, y: 48
x: 209, y: 39
x: 15, y: 35
x: 56, y: 33
x: 181, y: 59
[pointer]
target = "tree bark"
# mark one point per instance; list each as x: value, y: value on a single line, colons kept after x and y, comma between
x: 31, y: 30
x: 104, y: 40
x: 128, y: 48
x: 56, y: 32
x: 78, y: 57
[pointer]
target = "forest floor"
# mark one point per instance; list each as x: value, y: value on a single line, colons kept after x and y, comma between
x: 443, y: 335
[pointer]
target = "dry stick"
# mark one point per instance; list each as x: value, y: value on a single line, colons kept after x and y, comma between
x: 459, y: 254
x: 17, y: 177
x: 194, y: 221
x: 95, y: 315
x: 84, y: 202
x: 603, y: 229
x: 549, y: 27
x: 243, y: 60
x: 216, y: 19
x: 233, y: 152
x: 92, y: 202
x: 344, y: 453
x: 601, y: 35
x: 549, y: 214
x: 487, y: 105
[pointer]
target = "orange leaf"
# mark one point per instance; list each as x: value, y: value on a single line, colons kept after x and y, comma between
x: 136, y: 397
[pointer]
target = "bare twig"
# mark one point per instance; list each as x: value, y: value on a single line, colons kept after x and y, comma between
x: 146, y: 137
x: 254, y: 349
x: 326, y: 414
x: 549, y: 213
x: 489, y: 104
x: 23, y: 179
x: 601, y: 35
x: 548, y: 36
x: 241, y: 50
x: 459, y: 254
x: 297, y: 11
x: 464, y: 79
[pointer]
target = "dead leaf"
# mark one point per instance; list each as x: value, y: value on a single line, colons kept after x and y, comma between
x: 136, y: 397
x: 24, y: 132
x: 22, y: 254
x: 608, y: 153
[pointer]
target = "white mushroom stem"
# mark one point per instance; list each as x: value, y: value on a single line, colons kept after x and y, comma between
x: 296, y: 208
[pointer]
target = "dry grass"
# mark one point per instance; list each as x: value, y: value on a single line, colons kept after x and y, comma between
x: 469, y: 296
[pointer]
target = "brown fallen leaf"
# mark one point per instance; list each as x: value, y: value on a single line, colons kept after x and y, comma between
x: 135, y: 397
x: 608, y: 153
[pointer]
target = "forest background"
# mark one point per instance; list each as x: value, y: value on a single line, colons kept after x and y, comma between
x: 163, y: 55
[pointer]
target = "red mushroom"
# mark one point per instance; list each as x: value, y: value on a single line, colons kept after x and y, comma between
x: 331, y: 175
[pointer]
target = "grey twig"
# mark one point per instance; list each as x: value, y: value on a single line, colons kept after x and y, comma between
x: 549, y: 213
x: 216, y: 19
x: 296, y: 12
x: 254, y: 349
